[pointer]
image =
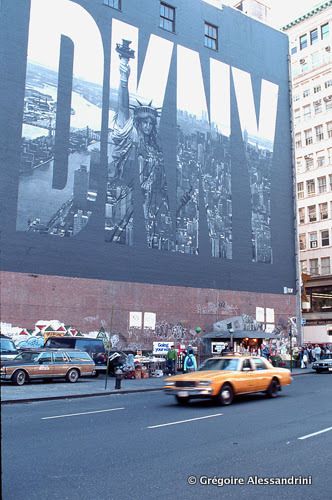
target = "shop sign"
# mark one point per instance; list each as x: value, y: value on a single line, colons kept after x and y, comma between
x: 161, y: 347
x: 217, y: 347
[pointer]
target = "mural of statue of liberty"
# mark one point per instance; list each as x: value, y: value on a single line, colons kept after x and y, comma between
x: 136, y: 154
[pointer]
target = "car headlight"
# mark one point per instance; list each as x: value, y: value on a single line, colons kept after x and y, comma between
x: 169, y: 383
x: 204, y: 383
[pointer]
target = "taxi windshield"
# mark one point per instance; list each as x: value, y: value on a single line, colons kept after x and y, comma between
x: 220, y: 364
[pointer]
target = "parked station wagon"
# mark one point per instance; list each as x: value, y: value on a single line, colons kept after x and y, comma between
x: 47, y: 364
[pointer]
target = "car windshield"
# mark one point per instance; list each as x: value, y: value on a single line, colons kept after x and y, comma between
x: 220, y: 364
x: 27, y: 356
x: 7, y: 346
x: 327, y: 356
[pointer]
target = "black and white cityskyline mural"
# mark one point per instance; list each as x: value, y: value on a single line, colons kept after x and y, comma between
x: 146, y: 145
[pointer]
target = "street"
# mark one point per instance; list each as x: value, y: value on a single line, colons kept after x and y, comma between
x: 144, y: 446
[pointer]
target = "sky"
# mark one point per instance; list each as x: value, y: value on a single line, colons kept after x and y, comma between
x: 284, y: 11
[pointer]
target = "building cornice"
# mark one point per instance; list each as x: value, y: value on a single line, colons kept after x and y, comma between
x: 318, y: 8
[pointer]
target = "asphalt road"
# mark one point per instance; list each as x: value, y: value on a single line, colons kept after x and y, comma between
x: 143, y: 446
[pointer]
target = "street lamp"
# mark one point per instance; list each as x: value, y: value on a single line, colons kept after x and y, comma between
x: 231, y: 331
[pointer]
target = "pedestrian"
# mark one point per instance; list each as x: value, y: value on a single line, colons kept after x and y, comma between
x: 317, y: 352
x: 190, y: 364
x: 266, y: 352
x: 171, y: 358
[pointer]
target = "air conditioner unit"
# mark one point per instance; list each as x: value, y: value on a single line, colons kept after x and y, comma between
x: 328, y: 48
x: 302, y: 61
x: 313, y: 244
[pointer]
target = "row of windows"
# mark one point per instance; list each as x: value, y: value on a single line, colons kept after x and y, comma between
x: 308, y: 112
x: 315, y: 89
x: 167, y: 22
x: 312, y: 37
x: 310, y: 240
x: 312, y: 61
x: 309, y: 162
x: 314, y: 186
x: 314, y: 213
x: 320, y: 131
x: 317, y: 267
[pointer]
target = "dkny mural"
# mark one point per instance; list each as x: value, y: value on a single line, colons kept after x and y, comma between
x: 60, y: 151
x: 151, y: 148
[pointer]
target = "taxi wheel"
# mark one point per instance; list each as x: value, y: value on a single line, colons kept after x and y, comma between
x: 72, y: 376
x: 226, y: 395
x: 182, y: 401
x: 19, y: 377
x: 272, y: 391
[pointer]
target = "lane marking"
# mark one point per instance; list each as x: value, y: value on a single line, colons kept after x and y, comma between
x: 315, y: 433
x: 82, y: 413
x: 183, y: 421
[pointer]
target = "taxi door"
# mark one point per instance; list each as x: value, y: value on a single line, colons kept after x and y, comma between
x: 244, y: 377
x: 261, y: 375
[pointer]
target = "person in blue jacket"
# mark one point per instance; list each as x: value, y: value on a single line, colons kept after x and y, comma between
x: 190, y: 363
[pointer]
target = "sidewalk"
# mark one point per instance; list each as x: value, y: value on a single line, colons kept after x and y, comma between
x: 85, y: 387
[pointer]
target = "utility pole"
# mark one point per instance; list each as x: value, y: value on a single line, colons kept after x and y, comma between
x: 109, y: 348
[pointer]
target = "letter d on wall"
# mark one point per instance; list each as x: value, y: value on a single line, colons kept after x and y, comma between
x: 61, y: 120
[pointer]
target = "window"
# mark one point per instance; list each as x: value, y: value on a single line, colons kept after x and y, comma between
x: 167, y: 17
x: 59, y: 357
x: 328, y: 84
x: 322, y: 184
x: 259, y: 364
x: 313, y: 240
x: 311, y: 186
x: 303, y: 42
x: 45, y: 357
x: 293, y: 50
x: 316, y: 59
x: 115, y: 4
x: 306, y: 92
x: 211, y: 36
x: 330, y: 181
x: 325, y: 265
x: 312, y: 213
x: 298, y: 141
x: 325, y: 237
x: 297, y: 116
x: 329, y: 129
x: 313, y: 267
x: 303, y: 266
x: 308, y: 136
x: 307, y: 112
x: 296, y: 98
x: 320, y: 161
x: 318, y: 106
x: 323, y: 211
x: 324, y: 31
x: 309, y: 162
x: 299, y: 165
x: 302, y: 241
x: 301, y: 216
x: 317, y: 89
x: 329, y: 159
x: 300, y: 190
x: 314, y: 36
x: 319, y: 133
x: 328, y: 102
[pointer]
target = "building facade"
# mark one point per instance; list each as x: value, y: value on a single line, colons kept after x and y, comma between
x: 146, y: 173
x: 311, y: 69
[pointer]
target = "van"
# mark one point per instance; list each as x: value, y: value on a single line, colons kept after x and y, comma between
x: 7, y: 348
x: 95, y: 348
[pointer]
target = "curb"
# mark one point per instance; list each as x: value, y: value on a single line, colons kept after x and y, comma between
x: 76, y: 396
x: 94, y: 394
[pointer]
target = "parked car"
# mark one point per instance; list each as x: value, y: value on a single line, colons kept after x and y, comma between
x: 7, y: 348
x: 47, y: 364
x: 222, y: 378
x: 324, y: 364
x: 94, y: 347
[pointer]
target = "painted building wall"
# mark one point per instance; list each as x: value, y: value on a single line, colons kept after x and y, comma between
x: 131, y: 154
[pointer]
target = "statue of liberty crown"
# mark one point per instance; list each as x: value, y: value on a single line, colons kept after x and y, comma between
x: 142, y: 111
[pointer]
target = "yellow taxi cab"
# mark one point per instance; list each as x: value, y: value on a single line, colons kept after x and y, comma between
x: 222, y: 378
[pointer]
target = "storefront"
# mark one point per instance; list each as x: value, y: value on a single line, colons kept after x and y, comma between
x: 237, y: 341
